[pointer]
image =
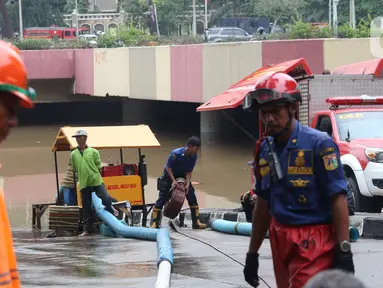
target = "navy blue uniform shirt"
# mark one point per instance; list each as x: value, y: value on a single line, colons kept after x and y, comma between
x: 180, y: 163
x: 312, y: 174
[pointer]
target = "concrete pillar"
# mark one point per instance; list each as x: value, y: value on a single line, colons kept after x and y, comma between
x: 211, y: 122
x: 136, y: 111
x: 215, y: 126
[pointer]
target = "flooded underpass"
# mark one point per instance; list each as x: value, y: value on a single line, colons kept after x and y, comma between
x: 28, y: 174
x: 27, y: 171
x: 221, y: 174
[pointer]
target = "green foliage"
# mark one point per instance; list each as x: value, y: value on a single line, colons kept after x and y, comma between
x: 129, y: 36
x: 44, y: 44
x: 125, y: 37
x: 302, y: 30
x: 346, y: 31
x: 179, y: 40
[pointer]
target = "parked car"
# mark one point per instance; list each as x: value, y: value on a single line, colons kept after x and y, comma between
x: 90, y: 38
x: 219, y: 34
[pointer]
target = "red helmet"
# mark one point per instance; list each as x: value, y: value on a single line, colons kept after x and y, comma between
x: 275, y: 88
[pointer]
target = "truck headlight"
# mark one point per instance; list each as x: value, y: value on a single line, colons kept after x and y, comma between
x: 374, y: 154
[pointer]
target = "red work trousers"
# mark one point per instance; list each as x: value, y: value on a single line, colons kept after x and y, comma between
x: 301, y: 252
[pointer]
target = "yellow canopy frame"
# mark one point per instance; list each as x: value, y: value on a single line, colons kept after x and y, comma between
x: 110, y: 137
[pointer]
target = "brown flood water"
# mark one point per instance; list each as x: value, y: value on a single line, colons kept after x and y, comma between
x: 28, y: 175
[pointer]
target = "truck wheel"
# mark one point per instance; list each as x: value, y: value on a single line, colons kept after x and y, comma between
x: 363, y: 203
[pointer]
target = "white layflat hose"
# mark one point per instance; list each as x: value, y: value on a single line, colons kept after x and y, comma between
x: 163, y: 276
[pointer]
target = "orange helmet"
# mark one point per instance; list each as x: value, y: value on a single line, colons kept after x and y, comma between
x: 13, y: 75
x: 273, y: 88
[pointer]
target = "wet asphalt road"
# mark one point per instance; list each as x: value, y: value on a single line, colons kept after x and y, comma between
x: 116, y: 262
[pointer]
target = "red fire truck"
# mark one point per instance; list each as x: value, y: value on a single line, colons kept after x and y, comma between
x: 344, y: 104
x: 52, y: 32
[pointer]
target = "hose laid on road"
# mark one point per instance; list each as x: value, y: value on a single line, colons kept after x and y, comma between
x: 244, y: 228
x: 229, y: 227
x: 119, y: 228
x: 165, y: 258
x: 173, y: 226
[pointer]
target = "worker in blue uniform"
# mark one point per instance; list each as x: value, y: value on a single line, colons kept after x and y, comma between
x: 301, y: 191
x: 181, y: 162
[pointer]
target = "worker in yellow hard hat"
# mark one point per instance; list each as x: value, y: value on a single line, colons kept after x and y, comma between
x: 14, y: 93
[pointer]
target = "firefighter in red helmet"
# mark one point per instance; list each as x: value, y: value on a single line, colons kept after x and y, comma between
x: 301, y: 191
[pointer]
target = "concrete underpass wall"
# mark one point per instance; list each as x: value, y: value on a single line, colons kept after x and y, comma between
x: 159, y: 115
x: 107, y: 112
x: 162, y: 115
x: 165, y: 116
x: 57, y: 90
x: 53, y: 90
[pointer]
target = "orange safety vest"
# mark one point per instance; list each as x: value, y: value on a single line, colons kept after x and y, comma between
x: 9, y: 276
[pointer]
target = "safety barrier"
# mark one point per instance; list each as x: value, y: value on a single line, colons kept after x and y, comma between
x: 165, y: 259
x: 244, y: 228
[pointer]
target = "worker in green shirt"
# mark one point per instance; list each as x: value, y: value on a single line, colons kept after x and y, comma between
x: 87, y: 163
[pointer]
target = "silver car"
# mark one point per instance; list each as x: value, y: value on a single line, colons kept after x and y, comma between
x: 221, y: 33
x: 90, y: 38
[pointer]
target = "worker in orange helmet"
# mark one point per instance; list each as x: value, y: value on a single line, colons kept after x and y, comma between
x: 301, y: 191
x: 14, y: 93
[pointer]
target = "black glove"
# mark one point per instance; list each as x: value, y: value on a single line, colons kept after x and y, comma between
x: 343, y: 260
x: 251, y: 269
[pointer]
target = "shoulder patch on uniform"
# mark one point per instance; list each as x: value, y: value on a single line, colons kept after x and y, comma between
x: 174, y: 156
x: 264, y: 168
x: 327, y: 150
x: 262, y: 162
x: 330, y: 162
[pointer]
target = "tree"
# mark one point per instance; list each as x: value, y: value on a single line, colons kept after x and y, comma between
x: 137, y: 11
x: 7, y: 29
x: 316, y: 11
x: 278, y: 10
x: 172, y: 15
x: 373, y: 8
x: 151, y: 18
x: 37, y: 13
x: 228, y: 8
x: 82, y: 6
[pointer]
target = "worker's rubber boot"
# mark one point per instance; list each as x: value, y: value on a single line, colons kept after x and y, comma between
x: 156, y: 218
x: 195, y: 218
